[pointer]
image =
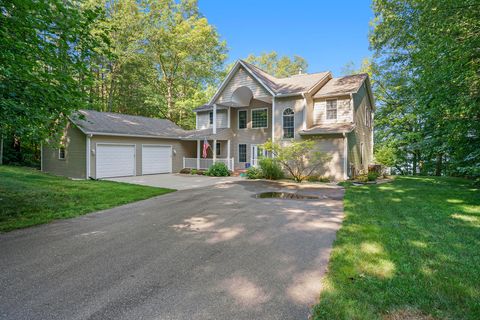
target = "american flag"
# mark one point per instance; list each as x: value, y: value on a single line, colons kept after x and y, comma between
x: 205, y: 148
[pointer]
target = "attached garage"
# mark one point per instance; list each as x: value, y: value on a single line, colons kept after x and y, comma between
x: 156, y: 159
x: 115, y: 160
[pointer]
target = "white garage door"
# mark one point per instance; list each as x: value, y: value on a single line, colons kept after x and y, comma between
x: 156, y: 159
x: 115, y: 160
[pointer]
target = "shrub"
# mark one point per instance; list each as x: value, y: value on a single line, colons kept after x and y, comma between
x: 186, y: 170
x: 194, y: 171
x: 362, y: 178
x: 318, y: 179
x: 372, y: 176
x: 300, y: 159
x: 270, y: 169
x: 254, y: 173
x: 218, y: 169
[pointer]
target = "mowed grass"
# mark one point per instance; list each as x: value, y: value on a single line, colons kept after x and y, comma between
x: 29, y: 197
x: 407, y: 250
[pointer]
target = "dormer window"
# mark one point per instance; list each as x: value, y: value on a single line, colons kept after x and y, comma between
x: 332, y: 109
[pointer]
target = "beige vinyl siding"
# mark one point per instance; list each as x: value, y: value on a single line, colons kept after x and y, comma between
x: 344, y: 111
x: 242, y: 79
x: 334, y: 147
x: 182, y: 149
x: 203, y: 119
x: 74, y: 164
x: 249, y: 135
x: 297, y: 105
x: 362, y: 133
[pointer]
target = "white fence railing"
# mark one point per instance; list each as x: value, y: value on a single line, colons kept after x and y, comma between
x: 201, y: 163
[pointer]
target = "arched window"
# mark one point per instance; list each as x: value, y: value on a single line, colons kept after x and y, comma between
x: 288, y: 123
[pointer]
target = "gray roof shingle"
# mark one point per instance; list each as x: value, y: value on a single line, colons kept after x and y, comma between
x: 91, y: 121
x: 340, y: 86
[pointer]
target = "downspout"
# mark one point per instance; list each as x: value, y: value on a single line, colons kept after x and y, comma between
x: 88, y: 143
x: 345, y: 156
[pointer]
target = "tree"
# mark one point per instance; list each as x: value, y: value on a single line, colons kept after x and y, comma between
x: 299, y: 158
x: 279, y: 67
x: 45, y: 50
x: 427, y: 60
x: 186, y: 55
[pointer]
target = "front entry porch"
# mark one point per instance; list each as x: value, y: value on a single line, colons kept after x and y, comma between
x: 219, y: 152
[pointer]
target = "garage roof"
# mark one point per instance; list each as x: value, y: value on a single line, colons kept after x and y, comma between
x: 109, y: 123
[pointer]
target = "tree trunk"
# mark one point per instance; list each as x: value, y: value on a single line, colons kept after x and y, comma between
x: 169, y: 100
x: 1, y: 150
x: 438, y: 165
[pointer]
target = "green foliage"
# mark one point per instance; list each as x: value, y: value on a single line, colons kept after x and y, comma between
x: 218, y: 169
x: 270, y: 169
x: 372, y: 176
x: 386, y: 155
x: 254, y: 173
x: 280, y: 67
x: 316, y: 178
x: 409, y: 245
x: 427, y: 84
x: 29, y: 197
x: 298, y: 157
x: 45, y: 53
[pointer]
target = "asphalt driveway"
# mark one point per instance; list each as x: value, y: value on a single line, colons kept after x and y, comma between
x: 208, y: 253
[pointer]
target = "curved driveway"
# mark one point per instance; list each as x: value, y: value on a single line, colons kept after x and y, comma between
x: 207, y: 253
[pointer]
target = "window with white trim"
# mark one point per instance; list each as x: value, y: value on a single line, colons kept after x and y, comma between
x: 242, y: 119
x: 61, y: 153
x: 368, y: 117
x: 259, y: 118
x: 242, y: 153
x: 288, y: 123
x: 211, y: 117
x: 331, y: 109
x: 218, y: 148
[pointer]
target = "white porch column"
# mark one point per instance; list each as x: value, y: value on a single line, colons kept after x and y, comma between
x: 214, y: 119
x: 228, y: 155
x: 214, y: 150
x: 198, y: 154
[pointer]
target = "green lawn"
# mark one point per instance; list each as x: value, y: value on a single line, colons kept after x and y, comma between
x: 407, y: 250
x: 29, y: 197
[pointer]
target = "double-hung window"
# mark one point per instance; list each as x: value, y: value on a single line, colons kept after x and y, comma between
x: 211, y: 117
x: 331, y: 109
x: 259, y: 118
x: 242, y: 153
x: 61, y: 153
x: 242, y: 119
x: 218, y: 149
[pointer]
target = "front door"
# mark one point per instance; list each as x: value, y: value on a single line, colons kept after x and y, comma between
x: 256, y: 153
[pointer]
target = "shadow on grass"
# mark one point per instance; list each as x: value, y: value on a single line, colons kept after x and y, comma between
x: 409, y: 245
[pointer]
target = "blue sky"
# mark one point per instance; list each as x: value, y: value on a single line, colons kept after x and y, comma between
x: 328, y: 34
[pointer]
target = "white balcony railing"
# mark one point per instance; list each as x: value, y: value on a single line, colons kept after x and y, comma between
x: 201, y: 163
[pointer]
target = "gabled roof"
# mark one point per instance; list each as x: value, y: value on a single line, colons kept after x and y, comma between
x: 293, y: 85
x: 342, y: 86
x: 290, y: 85
x: 109, y: 123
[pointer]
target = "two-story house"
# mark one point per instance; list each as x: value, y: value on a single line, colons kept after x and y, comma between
x: 249, y: 107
